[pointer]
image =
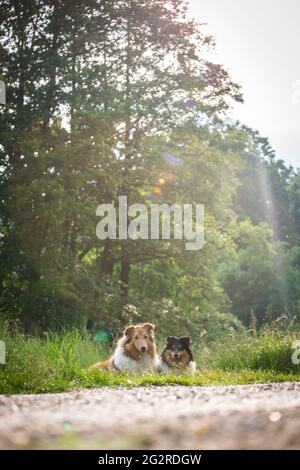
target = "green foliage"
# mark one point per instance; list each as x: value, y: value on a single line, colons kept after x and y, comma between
x: 125, y: 111
x: 269, y: 350
x: 41, y: 309
x: 99, y: 93
x: 249, y: 275
x: 55, y: 363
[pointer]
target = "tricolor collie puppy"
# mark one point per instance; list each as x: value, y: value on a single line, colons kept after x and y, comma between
x: 177, y: 356
x: 135, y: 351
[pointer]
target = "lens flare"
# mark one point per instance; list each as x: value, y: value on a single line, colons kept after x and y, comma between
x: 271, y: 217
x: 190, y: 104
x: 167, y: 176
x: 145, y: 193
x: 173, y: 159
x: 157, y: 191
x: 162, y: 181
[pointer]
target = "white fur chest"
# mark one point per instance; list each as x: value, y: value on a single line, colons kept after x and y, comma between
x: 125, y: 364
x: 166, y: 369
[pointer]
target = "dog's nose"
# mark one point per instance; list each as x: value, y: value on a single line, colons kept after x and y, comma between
x: 176, y: 355
x: 143, y: 349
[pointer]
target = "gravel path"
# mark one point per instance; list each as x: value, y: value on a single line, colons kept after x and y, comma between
x: 263, y: 416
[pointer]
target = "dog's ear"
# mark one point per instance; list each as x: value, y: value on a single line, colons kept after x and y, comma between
x: 186, y: 340
x: 149, y: 327
x: 171, y: 339
x: 128, y: 331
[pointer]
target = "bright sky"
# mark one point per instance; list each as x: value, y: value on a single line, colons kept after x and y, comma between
x: 258, y: 42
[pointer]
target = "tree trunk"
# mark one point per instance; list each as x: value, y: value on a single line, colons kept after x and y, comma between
x: 125, y: 188
x: 125, y: 269
x: 107, y: 260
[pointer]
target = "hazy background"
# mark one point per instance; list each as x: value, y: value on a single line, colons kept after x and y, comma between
x: 259, y: 42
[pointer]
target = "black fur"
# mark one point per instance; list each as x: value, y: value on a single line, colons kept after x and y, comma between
x: 177, y: 343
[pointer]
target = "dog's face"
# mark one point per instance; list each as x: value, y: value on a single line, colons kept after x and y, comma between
x: 141, y: 337
x: 176, y: 350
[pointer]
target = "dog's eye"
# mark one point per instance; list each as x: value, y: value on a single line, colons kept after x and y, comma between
x: 146, y: 337
x: 136, y: 337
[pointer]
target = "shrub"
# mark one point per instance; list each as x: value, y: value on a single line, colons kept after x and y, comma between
x: 268, y: 350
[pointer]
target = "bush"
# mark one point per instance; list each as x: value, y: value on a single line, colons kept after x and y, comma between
x: 267, y: 350
x: 39, y: 309
x: 45, y: 364
x: 172, y: 319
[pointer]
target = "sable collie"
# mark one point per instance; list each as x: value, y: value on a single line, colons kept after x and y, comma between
x: 135, y: 351
x: 177, y: 356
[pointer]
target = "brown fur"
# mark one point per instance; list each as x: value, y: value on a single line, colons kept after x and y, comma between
x: 104, y: 365
x: 134, y: 339
x: 138, y: 337
x: 181, y: 361
x: 177, y: 355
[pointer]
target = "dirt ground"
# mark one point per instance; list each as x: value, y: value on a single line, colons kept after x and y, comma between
x: 263, y: 416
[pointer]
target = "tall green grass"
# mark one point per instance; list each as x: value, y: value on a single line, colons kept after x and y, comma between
x: 50, y: 363
x: 55, y: 363
x: 268, y: 350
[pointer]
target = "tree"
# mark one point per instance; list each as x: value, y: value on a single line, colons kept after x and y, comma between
x: 94, y: 90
